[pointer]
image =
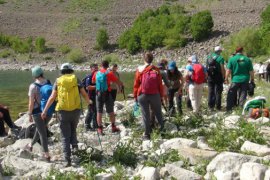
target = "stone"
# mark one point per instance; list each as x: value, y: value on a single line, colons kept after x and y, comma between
x: 260, y: 120
x: 23, y: 121
x: 25, y: 154
x: 267, y: 174
x: 195, y: 155
x: 171, y: 170
x: 260, y: 150
x: 172, y: 128
x: 177, y: 143
x: 231, y: 121
x: 5, y: 141
x: 252, y: 171
x: 104, y: 176
x: 229, y: 162
x: 21, y: 143
x: 22, y: 166
x: 219, y: 175
x: 149, y: 173
x: 147, y: 145
x: 201, y: 143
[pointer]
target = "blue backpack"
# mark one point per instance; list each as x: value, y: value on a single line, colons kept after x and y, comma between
x: 101, y: 81
x: 86, y: 81
x: 45, y: 93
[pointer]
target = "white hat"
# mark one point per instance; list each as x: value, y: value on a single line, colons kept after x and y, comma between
x: 66, y: 66
x: 218, y: 48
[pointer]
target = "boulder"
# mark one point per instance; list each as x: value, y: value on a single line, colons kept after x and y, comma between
x: 226, y: 176
x: 170, y: 127
x: 229, y: 162
x: 171, y: 170
x: 260, y: 150
x: 177, y: 143
x: 252, y: 171
x: 147, y: 145
x: 267, y: 174
x: 5, y: 141
x: 231, y: 121
x: 104, y: 176
x: 195, y: 156
x: 260, y: 120
x: 22, y: 166
x: 21, y: 143
x: 149, y: 173
x: 23, y: 121
x: 201, y: 143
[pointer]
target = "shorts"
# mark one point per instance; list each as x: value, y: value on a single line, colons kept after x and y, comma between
x: 104, y: 98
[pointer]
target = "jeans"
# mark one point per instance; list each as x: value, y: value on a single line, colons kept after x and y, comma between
x: 153, y: 101
x: 7, y: 119
x: 171, y: 101
x: 241, y: 88
x: 68, y: 126
x: 41, y: 131
x: 215, y: 95
x: 91, y: 116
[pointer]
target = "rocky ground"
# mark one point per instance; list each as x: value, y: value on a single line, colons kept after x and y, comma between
x: 184, y: 152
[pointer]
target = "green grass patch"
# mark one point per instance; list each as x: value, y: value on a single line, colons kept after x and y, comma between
x: 75, y: 56
x: 71, y: 25
x: 2, y: 2
x: 64, y: 49
x: 5, y: 53
x: 87, y: 5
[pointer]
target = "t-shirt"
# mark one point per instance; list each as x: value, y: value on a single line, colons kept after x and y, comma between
x: 110, y: 78
x: 174, y: 80
x: 240, y: 67
x: 113, y: 84
x: 34, y: 91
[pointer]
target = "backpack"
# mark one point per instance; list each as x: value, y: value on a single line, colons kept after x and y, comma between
x: 212, y: 69
x: 150, y: 81
x: 101, y: 81
x: 257, y: 102
x: 45, y: 91
x: 198, y: 75
x: 68, y: 93
x: 85, y: 81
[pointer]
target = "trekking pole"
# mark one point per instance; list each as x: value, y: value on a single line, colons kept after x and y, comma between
x: 99, y: 140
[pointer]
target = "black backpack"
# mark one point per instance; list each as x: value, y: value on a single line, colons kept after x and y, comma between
x: 85, y: 79
x: 212, y: 68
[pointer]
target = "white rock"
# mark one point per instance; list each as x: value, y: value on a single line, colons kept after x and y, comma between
x: 231, y: 121
x: 23, y: 121
x: 228, y: 161
x: 5, y: 141
x: 171, y: 127
x: 21, y: 143
x: 252, y: 171
x: 267, y: 174
x: 226, y: 176
x: 260, y: 150
x: 149, y: 173
x: 25, y: 154
x: 201, y: 143
x: 104, y: 176
x: 172, y: 170
x: 176, y: 143
x: 147, y: 145
x: 260, y: 120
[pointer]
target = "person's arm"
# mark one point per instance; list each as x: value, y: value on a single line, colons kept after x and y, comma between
x: 181, y: 80
x: 31, y: 101
x: 228, y: 73
x: 251, y: 73
x: 136, y: 85
x: 222, y: 70
x: 49, y: 103
x: 85, y: 96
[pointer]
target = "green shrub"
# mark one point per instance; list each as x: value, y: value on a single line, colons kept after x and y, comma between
x: 19, y: 45
x: 64, y: 49
x: 112, y: 58
x: 102, y: 39
x: 87, y: 157
x: 40, y: 45
x: 2, y: 2
x: 265, y: 15
x: 71, y: 25
x: 76, y: 56
x: 120, y: 173
x: 55, y: 174
x: 125, y: 155
x: 91, y: 170
x: 5, y: 54
x: 8, y: 171
x: 201, y: 25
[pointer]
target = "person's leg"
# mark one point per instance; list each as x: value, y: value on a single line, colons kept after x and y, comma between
x: 243, y: 93
x: 65, y: 129
x: 88, y: 118
x: 218, y: 89
x: 6, y: 117
x: 113, y: 94
x: 199, y: 93
x: 109, y: 103
x: 171, y: 99
x: 231, y: 96
x: 155, y: 104
x: 211, y: 95
x: 152, y: 118
x: 2, y: 127
x: 191, y: 91
x: 99, y: 106
x: 179, y: 103
x: 94, y: 120
x: 74, y: 120
x: 144, y: 103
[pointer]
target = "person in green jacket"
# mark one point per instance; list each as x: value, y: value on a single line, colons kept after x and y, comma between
x: 240, y: 69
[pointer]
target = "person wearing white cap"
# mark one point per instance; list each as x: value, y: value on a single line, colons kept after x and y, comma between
x: 216, y: 74
x: 67, y: 90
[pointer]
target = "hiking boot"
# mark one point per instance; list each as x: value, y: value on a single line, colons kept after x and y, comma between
x: 115, y: 129
x: 100, y: 131
x: 67, y: 163
x: 146, y: 137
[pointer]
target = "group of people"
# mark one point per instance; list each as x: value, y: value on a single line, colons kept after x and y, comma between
x: 264, y: 71
x: 154, y: 87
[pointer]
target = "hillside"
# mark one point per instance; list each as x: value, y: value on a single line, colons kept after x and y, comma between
x: 75, y: 24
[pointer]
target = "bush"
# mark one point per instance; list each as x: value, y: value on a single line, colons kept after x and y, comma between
x: 75, y: 56
x: 201, y: 25
x: 265, y: 16
x: 111, y: 58
x: 64, y: 49
x: 5, y: 53
x: 102, y: 39
x: 125, y: 155
x: 19, y: 45
x: 40, y: 45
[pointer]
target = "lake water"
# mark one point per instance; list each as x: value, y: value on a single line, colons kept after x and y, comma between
x: 14, y: 88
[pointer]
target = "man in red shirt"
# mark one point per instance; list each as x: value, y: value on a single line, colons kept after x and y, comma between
x: 104, y: 96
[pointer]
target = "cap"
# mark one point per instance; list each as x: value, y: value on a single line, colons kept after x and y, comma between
x: 37, y: 71
x: 194, y: 59
x: 218, y: 48
x: 66, y: 66
x: 239, y: 49
x: 172, y: 65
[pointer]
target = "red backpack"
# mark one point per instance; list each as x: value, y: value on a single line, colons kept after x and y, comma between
x: 198, y: 75
x: 150, y: 81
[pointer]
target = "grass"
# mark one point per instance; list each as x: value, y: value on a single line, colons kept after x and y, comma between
x: 75, y: 56
x: 5, y: 53
x: 87, y: 5
x: 71, y: 25
x: 8, y: 171
x: 2, y: 2
x: 64, y: 49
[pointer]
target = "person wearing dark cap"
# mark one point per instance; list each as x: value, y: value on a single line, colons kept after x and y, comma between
x: 216, y: 74
x: 67, y: 89
x: 240, y: 69
x: 176, y: 80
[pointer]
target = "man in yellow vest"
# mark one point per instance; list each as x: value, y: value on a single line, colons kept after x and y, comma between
x: 67, y: 89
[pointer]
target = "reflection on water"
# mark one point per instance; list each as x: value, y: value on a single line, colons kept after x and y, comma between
x: 14, y: 88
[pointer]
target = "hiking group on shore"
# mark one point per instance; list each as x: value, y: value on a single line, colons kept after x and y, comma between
x: 154, y: 87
